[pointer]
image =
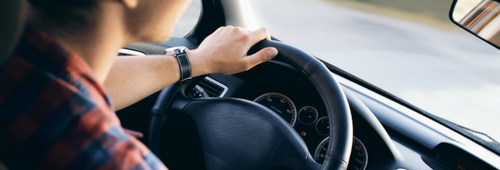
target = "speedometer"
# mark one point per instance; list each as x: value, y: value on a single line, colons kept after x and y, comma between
x: 280, y: 104
x: 359, y: 154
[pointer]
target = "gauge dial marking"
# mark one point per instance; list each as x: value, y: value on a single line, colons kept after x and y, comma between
x: 359, y: 154
x: 280, y: 104
x: 308, y: 115
x: 323, y: 126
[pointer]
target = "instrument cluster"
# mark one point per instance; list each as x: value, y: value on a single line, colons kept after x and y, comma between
x: 311, y: 123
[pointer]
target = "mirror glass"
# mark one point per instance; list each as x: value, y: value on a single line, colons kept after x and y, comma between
x: 480, y: 17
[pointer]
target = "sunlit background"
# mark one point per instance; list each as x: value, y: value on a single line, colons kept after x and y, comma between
x: 407, y: 47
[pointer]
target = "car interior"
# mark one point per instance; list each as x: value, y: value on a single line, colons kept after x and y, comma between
x: 293, y: 112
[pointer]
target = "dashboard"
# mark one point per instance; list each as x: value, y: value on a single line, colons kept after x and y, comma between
x: 290, y: 95
x: 384, y: 137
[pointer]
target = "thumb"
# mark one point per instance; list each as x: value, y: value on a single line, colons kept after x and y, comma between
x: 262, y: 56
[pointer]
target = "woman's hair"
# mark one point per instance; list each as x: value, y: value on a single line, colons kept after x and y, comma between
x: 70, y: 16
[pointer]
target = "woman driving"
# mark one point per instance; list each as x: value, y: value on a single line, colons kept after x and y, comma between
x: 62, y: 84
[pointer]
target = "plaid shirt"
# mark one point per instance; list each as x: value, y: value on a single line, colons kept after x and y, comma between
x: 55, y: 115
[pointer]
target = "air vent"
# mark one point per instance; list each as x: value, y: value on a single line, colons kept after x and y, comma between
x: 212, y: 87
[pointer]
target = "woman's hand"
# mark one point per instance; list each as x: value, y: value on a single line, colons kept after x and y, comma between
x: 225, y: 51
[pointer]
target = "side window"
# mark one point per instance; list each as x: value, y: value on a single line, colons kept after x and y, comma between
x: 188, y: 20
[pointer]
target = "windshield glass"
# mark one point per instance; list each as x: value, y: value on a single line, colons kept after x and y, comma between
x: 188, y: 20
x: 406, y: 47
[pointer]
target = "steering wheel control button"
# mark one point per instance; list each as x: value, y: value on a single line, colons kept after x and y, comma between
x: 308, y: 115
x: 323, y: 126
x: 280, y: 104
x: 198, y: 92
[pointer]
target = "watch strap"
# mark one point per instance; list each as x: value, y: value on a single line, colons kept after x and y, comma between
x: 184, y: 67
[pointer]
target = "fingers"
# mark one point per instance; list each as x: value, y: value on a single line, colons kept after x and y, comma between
x: 254, y: 36
x: 225, y: 51
x: 260, y: 34
x: 261, y: 56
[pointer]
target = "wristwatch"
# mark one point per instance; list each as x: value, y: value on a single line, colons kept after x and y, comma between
x: 185, y: 67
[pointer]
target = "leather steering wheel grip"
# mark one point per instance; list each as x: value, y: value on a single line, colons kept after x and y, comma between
x: 341, y: 130
x: 330, y: 91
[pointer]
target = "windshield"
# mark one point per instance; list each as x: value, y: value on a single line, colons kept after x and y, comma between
x: 406, y: 47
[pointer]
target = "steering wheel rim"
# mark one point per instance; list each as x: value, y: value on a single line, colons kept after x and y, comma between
x: 341, y: 131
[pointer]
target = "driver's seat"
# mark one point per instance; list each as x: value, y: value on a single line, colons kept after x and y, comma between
x: 13, y: 13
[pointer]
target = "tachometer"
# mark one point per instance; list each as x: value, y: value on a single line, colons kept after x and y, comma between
x: 280, y: 104
x: 359, y: 154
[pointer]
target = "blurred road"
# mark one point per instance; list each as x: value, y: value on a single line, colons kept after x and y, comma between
x: 447, y: 72
x: 442, y: 70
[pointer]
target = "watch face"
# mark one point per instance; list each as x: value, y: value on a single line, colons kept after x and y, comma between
x: 176, y: 50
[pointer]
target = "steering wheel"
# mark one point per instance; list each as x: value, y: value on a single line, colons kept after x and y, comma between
x: 223, y: 124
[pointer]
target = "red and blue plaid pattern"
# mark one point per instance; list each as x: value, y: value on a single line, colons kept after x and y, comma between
x: 55, y: 115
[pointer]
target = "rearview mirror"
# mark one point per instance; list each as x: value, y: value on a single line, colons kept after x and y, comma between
x: 479, y: 17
